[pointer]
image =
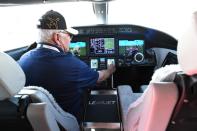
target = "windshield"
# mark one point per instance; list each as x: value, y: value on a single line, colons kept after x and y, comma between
x: 165, y: 15
x: 18, y: 23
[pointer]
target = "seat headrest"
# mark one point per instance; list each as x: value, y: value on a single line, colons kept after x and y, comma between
x: 12, y: 77
x: 187, y: 48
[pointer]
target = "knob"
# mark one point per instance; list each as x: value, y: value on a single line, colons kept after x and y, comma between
x: 138, y: 57
x: 120, y: 62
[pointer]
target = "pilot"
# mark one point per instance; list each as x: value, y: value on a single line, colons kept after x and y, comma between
x: 51, y: 65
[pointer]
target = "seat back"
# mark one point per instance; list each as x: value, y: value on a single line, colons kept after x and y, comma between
x: 28, y: 108
x: 152, y: 111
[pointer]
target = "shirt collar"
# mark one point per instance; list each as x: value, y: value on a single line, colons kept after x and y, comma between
x: 49, y: 46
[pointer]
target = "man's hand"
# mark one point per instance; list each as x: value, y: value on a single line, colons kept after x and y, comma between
x: 104, y: 74
x: 111, y: 68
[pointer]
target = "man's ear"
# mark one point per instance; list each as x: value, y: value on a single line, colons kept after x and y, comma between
x: 55, y: 37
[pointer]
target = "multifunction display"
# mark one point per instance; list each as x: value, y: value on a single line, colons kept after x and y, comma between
x: 131, y: 47
x: 78, y: 48
x: 94, y: 63
x: 102, y: 46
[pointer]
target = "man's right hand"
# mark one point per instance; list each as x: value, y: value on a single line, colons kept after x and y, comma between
x: 111, y: 68
x: 104, y: 74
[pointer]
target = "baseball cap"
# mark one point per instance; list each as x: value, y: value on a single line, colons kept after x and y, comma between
x: 54, y: 20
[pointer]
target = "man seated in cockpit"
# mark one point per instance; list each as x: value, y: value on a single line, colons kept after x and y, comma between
x: 51, y: 65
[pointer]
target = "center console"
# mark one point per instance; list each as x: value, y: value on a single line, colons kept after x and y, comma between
x: 102, y: 111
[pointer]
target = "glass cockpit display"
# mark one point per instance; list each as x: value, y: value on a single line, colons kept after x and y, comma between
x: 131, y: 47
x: 78, y: 48
x: 94, y: 64
x: 102, y: 46
x: 110, y: 61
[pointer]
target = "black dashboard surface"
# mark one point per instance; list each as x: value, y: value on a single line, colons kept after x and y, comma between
x: 153, y: 37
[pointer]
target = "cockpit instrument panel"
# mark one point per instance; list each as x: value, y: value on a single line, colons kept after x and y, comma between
x: 100, y: 52
x: 122, y: 45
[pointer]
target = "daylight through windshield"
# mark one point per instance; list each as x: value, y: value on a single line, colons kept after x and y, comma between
x: 18, y: 23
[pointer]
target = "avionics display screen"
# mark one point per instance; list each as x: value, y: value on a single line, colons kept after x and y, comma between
x: 94, y: 64
x: 102, y: 46
x: 131, y: 47
x: 78, y: 48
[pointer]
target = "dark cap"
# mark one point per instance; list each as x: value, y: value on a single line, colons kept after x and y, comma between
x: 55, y: 21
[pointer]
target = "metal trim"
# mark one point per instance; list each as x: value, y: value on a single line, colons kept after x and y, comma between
x: 101, y: 125
x: 104, y: 92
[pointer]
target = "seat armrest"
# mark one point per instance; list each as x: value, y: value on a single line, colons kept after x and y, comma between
x: 41, y: 118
